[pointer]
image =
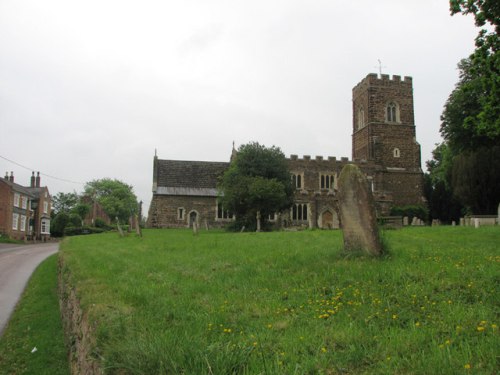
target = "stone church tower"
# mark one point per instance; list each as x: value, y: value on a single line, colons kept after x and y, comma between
x: 384, y: 134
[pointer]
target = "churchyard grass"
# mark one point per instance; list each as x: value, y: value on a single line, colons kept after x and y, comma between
x: 33, y: 341
x: 290, y: 302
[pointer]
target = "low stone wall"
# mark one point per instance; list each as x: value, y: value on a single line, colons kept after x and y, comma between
x: 78, y: 332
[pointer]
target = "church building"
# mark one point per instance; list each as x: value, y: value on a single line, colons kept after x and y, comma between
x: 384, y: 146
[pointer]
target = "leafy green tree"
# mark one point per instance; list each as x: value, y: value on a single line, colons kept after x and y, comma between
x: 116, y: 197
x: 59, y: 223
x: 64, y: 202
x: 482, y: 78
x: 81, y: 209
x: 463, y: 168
x: 476, y: 179
x: 257, y: 184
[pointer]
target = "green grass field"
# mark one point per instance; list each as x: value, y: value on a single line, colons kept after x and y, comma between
x: 291, y: 303
x: 36, y: 324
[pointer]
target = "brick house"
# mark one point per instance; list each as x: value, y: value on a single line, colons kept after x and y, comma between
x: 384, y: 146
x: 24, y: 210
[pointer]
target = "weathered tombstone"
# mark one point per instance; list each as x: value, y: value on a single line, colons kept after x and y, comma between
x: 242, y: 229
x: 405, y: 221
x: 476, y: 222
x: 414, y: 221
x: 434, y: 223
x: 195, y: 228
x: 462, y: 222
x: 120, y: 230
x: 357, y: 212
x: 138, y: 226
x: 453, y: 223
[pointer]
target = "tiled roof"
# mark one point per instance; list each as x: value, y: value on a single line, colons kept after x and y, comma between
x: 189, y: 174
x: 17, y: 187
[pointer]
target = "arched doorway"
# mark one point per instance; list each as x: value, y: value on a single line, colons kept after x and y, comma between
x: 329, y: 219
x: 193, y: 218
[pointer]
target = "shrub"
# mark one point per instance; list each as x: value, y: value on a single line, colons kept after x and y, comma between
x: 74, y: 220
x: 76, y: 231
x: 58, y: 224
x: 100, y: 223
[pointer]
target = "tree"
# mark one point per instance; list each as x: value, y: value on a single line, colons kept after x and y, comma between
x: 81, y: 209
x: 64, y: 202
x: 476, y: 179
x: 257, y: 184
x: 116, y: 198
x: 463, y: 168
x: 483, y: 72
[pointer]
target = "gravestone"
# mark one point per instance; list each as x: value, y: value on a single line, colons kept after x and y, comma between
x: 357, y: 212
x: 414, y: 221
x: 405, y: 221
x: 195, y: 228
x: 476, y: 223
x: 453, y: 223
x: 462, y: 222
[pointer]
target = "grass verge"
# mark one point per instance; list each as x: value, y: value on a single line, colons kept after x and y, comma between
x: 36, y: 323
x: 290, y: 303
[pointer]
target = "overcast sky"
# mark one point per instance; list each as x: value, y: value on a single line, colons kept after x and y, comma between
x: 89, y: 89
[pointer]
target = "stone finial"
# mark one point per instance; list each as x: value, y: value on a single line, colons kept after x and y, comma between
x: 357, y: 212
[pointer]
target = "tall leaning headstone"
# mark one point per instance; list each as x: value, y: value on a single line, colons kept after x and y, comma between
x: 357, y: 212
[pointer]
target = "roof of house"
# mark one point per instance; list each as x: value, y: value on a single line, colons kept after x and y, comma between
x: 180, y: 177
x: 18, y: 188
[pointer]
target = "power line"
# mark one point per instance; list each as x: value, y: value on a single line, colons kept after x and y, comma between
x: 43, y: 174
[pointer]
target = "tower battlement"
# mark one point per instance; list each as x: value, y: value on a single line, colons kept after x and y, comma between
x: 374, y: 79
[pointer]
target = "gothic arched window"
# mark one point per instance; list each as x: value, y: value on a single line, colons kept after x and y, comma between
x: 361, y: 118
x: 391, y: 112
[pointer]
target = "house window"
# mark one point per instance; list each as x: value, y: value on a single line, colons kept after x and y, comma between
x: 180, y: 213
x: 297, y: 180
x: 361, y: 118
x: 15, y: 221
x: 17, y: 198
x: 326, y: 181
x: 45, y: 226
x: 45, y: 207
x: 299, y: 211
x: 23, y: 223
x: 24, y: 202
x: 222, y: 213
x: 396, y: 153
x: 392, y: 114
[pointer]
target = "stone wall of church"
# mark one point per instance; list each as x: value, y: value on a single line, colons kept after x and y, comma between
x: 406, y: 187
x: 165, y: 212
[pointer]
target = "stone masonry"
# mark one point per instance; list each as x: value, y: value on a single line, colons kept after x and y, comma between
x: 384, y: 147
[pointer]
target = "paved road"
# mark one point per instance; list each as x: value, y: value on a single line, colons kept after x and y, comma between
x: 17, y: 263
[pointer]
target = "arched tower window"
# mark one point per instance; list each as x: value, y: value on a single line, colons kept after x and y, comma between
x: 361, y: 118
x: 392, y: 112
x: 396, y: 153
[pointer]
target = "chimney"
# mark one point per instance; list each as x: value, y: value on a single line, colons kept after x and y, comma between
x: 37, y: 179
x: 32, y: 183
x: 6, y: 176
x: 11, y: 178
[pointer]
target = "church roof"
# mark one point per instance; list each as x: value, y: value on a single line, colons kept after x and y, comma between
x: 179, y: 177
